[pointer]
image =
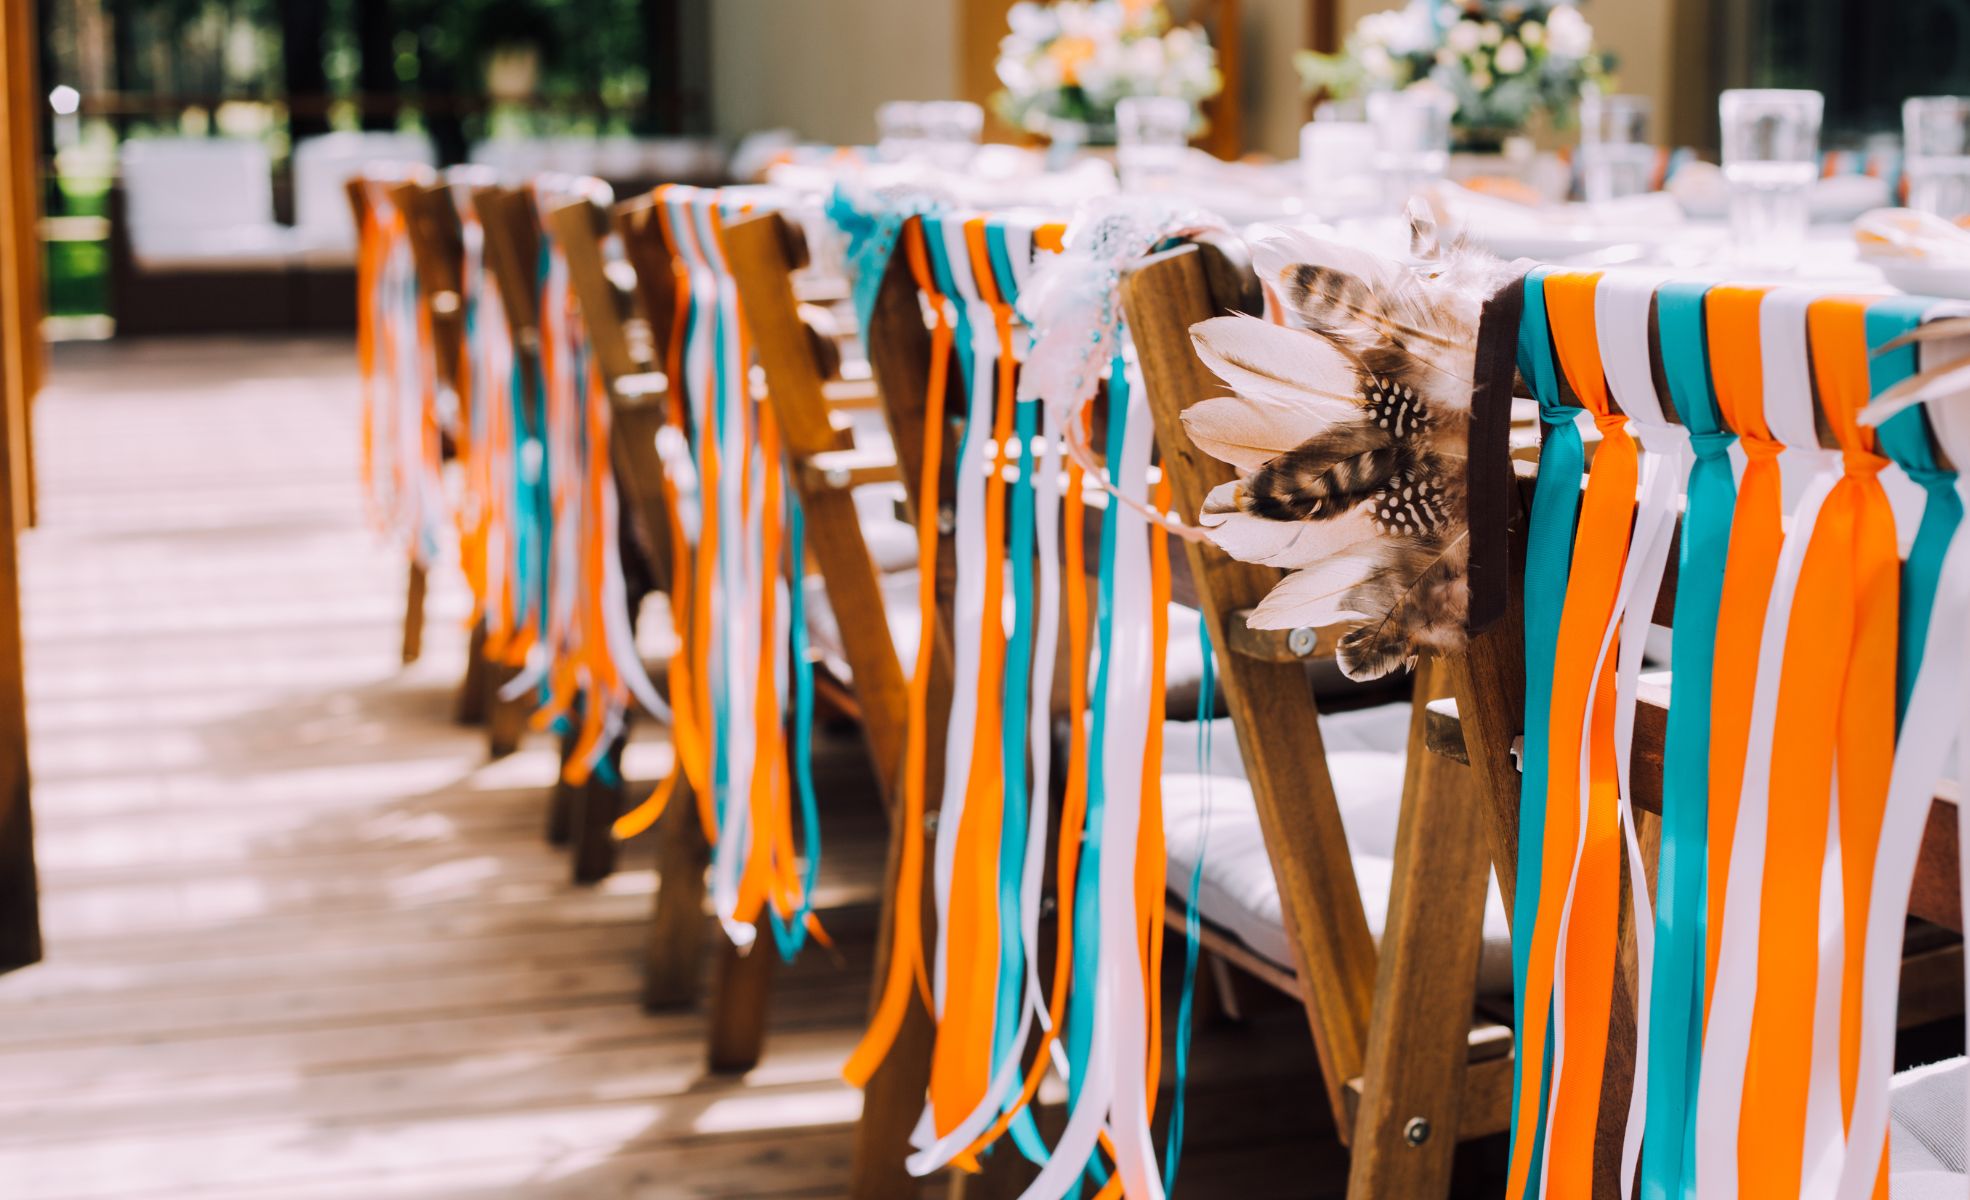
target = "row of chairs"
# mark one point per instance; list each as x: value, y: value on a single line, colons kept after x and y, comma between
x: 1415, y: 1056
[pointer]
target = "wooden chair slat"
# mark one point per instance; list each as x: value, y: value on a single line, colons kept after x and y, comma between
x: 1294, y: 794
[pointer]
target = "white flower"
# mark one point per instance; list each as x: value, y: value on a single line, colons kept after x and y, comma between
x: 1031, y: 22
x: 1532, y: 33
x: 1510, y: 59
x: 1490, y: 32
x: 1464, y: 37
x: 1481, y: 80
x: 1568, y: 34
x: 1377, y: 63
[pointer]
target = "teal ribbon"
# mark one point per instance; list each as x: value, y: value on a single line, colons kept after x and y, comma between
x: 872, y: 232
x: 711, y: 430
x: 1904, y: 438
x: 1016, y: 687
x: 1549, y: 556
x: 1676, y: 987
x: 1081, y: 1013
x: 791, y: 934
x: 1207, y: 704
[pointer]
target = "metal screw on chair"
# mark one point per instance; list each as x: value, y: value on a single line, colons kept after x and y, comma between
x: 1417, y: 1131
x: 836, y: 478
x: 1301, y: 642
x: 947, y: 518
x: 930, y: 821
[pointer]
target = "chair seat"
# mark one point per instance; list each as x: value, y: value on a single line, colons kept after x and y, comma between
x: 1184, y: 655
x: 1209, y: 806
x: 1926, y: 1154
x: 899, y: 601
x: 264, y: 247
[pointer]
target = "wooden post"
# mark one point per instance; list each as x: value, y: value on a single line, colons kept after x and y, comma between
x: 21, y: 141
x: 20, y: 349
x: 1226, y: 136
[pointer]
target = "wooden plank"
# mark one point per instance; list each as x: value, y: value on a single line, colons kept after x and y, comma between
x: 1413, y: 1102
x: 20, y: 349
x: 22, y: 302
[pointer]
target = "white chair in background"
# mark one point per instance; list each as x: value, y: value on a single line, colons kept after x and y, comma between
x: 323, y: 165
x: 202, y: 204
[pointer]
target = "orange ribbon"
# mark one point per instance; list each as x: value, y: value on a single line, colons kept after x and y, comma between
x: 1601, y: 550
x: 1833, y: 697
x: 961, y: 1064
x: 906, y: 964
x: 1757, y: 536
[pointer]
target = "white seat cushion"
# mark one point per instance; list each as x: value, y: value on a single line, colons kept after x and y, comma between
x: 1213, y: 810
x: 324, y: 165
x: 1926, y: 1157
x: 899, y: 601
x: 891, y: 541
x: 202, y: 204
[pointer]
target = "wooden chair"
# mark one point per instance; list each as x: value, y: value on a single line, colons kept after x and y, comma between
x: 799, y: 363
x: 369, y: 202
x: 1395, y: 1071
x: 1479, y: 725
x: 627, y: 352
x: 1408, y: 1073
x: 583, y: 816
x: 437, y: 243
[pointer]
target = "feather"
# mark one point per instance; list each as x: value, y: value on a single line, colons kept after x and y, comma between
x: 1316, y: 595
x: 1427, y: 614
x: 1288, y: 545
x: 1363, y: 501
x: 1248, y: 432
x: 1326, y: 475
x: 1271, y: 362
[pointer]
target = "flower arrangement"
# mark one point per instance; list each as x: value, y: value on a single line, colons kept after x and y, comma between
x: 1502, y: 60
x: 1071, y: 61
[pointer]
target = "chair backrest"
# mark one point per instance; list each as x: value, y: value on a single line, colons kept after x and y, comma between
x: 628, y: 360
x: 763, y: 253
x: 1272, y: 707
x: 437, y: 245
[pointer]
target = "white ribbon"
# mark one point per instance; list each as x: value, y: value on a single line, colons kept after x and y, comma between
x: 1938, y: 710
x: 1114, y: 1094
x: 1727, y: 1035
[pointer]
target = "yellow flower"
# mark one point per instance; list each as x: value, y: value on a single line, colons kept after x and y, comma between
x: 1068, y: 54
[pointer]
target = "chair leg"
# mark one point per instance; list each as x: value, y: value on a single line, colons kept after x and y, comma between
x: 739, y: 1003
x: 673, y: 955
x: 593, y: 811
x: 1405, y: 1132
x: 475, y: 690
x: 1005, y: 1176
x: 561, y: 800
x: 894, y: 1096
x: 506, y: 720
x: 414, y: 613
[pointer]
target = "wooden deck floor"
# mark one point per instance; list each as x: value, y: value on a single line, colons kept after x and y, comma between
x: 303, y: 941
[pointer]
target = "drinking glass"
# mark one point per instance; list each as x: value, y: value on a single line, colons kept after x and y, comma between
x: 950, y: 130
x: 899, y: 130
x: 1936, y: 142
x: 1152, y: 136
x: 1337, y: 162
x: 1615, y: 156
x: 1771, y: 157
x: 1412, y: 136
